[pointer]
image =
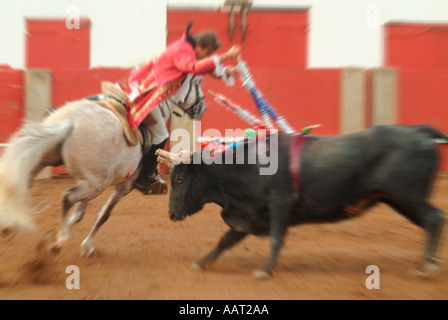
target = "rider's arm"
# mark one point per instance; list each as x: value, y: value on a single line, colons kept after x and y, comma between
x: 186, y: 62
x: 223, y: 72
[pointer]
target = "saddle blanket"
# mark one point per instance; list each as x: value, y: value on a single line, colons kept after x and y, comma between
x: 132, y: 137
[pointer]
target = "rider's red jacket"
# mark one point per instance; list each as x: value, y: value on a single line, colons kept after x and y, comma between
x: 161, y: 77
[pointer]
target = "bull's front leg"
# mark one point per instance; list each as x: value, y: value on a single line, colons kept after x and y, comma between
x: 279, y: 213
x: 228, y: 240
x: 277, y: 242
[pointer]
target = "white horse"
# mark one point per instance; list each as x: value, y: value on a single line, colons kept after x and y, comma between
x: 88, y: 140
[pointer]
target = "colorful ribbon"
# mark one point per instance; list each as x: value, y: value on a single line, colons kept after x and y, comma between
x: 242, y: 113
x: 266, y: 110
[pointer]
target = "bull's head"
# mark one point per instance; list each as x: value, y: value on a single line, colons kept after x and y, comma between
x: 187, y: 184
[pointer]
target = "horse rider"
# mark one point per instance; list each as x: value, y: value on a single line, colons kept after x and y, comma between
x: 169, y: 75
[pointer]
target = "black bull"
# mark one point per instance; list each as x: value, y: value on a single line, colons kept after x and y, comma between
x: 340, y: 176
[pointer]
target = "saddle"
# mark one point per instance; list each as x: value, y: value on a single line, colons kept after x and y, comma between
x: 115, y: 101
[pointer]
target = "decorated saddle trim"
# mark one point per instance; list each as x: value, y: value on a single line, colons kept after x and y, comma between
x: 133, y: 137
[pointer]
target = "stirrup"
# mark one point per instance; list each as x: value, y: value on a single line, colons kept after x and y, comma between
x: 156, y: 186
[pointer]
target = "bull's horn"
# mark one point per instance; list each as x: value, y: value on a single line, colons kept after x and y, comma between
x: 183, y: 156
x: 161, y: 158
x: 166, y: 163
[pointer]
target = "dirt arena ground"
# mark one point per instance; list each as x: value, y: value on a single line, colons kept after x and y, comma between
x: 141, y: 254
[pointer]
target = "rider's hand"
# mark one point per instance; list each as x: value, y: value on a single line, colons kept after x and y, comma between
x: 233, y: 71
x: 232, y: 53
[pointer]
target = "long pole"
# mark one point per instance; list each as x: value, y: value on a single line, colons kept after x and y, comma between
x: 265, y: 109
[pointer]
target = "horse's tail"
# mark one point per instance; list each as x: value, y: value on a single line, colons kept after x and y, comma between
x: 18, y: 166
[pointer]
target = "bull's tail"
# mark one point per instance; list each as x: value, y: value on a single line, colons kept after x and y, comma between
x: 437, y: 135
x: 18, y: 166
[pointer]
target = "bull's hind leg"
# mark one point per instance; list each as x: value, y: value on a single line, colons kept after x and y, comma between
x: 431, y: 219
x: 228, y: 240
x: 103, y: 214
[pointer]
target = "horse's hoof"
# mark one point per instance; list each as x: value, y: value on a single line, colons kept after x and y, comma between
x: 195, y: 266
x: 426, y: 271
x: 261, y: 274
x: 55, y: 248
x: 419, y: 274
x: 87, y: 252
x: 198, y: 266
x: 8, y: 233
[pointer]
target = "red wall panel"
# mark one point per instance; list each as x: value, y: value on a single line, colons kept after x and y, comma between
x: 69, y: 85
x: 410, y: 45
x: 275, y: 39
x: 444, y: 158
x: 420, y: 51
x: 51, y: 45
x: 11, y: 102
x: 303, y: 97
x: 423, y: 98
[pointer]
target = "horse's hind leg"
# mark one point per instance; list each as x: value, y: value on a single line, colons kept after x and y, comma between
x: 68, y: 221
x: 76, y: 197
x: 103, y: 214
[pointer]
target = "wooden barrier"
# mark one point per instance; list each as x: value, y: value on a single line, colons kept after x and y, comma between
x: 343, y: 100
x: 11, y: 101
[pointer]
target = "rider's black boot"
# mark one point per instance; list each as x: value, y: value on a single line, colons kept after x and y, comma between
x: 149, y: 181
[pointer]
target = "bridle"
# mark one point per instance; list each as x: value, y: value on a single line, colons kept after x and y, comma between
x: 199, y: 99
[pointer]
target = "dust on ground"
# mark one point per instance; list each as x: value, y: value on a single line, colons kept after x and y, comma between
x: 141, y: 254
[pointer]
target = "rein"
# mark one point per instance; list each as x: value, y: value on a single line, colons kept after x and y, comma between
x: 199, y: 99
